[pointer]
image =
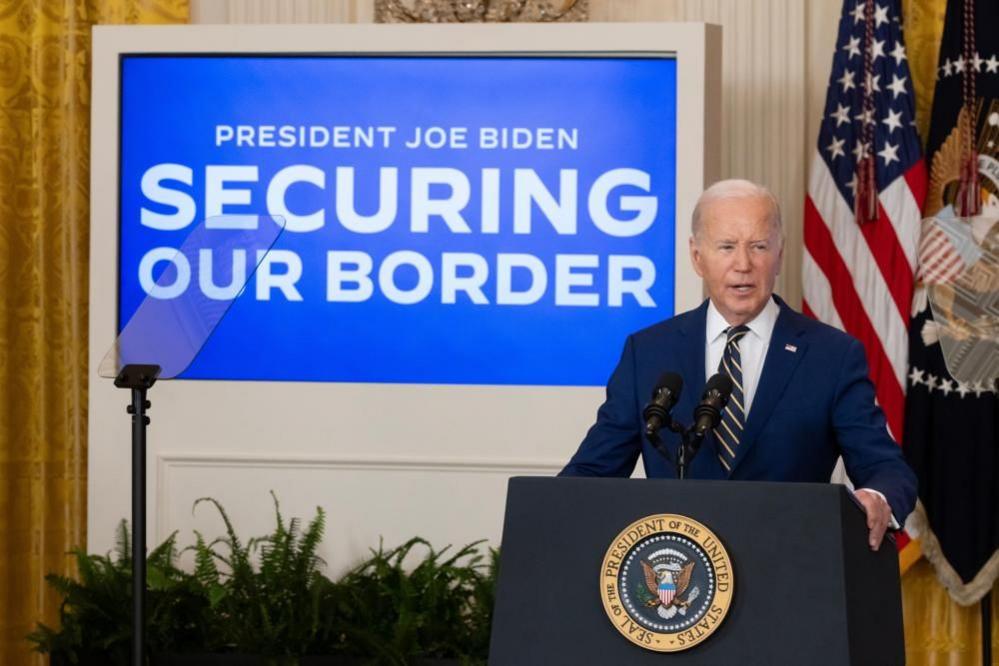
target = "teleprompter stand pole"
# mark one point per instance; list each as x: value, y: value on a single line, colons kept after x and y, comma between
x: 138, y: 378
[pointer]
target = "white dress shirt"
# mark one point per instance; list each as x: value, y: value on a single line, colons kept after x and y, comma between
x: 752, y: 347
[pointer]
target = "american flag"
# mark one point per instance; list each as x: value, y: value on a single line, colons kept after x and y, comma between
x: 858, y: 268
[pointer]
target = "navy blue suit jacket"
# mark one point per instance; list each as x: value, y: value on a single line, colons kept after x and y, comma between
x: 814, y: 402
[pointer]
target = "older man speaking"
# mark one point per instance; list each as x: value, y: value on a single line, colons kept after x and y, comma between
x: 801, y: 396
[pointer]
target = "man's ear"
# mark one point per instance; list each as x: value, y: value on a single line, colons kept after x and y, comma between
x: 695, y: 256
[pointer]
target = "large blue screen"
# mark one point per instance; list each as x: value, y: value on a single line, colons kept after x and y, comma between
x: 449, y: 220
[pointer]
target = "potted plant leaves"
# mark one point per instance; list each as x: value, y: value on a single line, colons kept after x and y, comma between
x: 266, y: 601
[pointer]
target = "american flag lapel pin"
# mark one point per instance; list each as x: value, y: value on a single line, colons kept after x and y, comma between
x: 790, y: 348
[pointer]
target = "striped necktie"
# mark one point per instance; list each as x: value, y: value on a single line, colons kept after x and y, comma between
x: 729, y: 431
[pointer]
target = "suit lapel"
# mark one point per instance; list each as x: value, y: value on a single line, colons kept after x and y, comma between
x: 786, y: 350
x: 692, y: 352
x: 705, y: 464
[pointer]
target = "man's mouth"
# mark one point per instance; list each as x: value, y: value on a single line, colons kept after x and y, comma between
x: 741, y: 288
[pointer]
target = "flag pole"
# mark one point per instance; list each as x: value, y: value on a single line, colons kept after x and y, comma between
x: 986, y: 603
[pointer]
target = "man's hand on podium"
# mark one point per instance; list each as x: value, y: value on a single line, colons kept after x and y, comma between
x: 878, y: 514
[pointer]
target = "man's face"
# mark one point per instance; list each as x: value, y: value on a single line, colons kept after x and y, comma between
x: 737, y: 253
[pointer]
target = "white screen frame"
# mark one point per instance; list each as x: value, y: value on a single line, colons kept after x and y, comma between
x: 292, y: 425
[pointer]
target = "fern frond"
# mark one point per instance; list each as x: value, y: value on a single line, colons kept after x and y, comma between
x: 205, y: 570
x: 239, y: 558
x: 165, y: 554
x: 123, y: 542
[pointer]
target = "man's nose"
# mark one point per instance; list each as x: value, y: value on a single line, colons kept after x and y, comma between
x: 742, y: 262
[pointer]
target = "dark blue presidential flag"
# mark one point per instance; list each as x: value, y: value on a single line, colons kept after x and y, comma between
x: 952, y: 424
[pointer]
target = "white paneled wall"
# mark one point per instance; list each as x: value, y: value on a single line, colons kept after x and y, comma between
x: 365, y: 498
x: 774, y: 77
x: 775, y: 66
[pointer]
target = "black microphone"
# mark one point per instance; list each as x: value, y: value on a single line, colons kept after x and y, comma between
x: 707, y: 414
x: 664, y: 396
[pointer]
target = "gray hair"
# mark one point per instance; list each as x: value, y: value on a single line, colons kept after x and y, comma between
x: 735, y: 188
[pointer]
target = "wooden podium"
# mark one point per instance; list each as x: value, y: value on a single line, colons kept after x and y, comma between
x: 806, y: 588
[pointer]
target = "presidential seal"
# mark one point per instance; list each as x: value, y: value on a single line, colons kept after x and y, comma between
x: 666, y: 582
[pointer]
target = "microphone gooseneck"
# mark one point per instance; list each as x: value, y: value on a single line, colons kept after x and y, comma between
x: 707, y: 415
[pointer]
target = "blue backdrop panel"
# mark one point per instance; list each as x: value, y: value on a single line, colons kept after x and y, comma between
x: 584, y: 147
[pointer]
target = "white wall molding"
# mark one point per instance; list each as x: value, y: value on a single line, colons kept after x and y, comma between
x: 366, y: 498
x: 167, y: 461
x: 167, y: 466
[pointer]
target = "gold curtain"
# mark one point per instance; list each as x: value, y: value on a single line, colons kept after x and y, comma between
x: 923, y: 24
x: 938, y: 632
x: 44, y: 248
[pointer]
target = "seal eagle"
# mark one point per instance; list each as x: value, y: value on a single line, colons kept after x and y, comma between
x: 682, y: 582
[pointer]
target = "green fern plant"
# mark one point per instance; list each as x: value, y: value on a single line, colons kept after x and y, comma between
x: 268, y: 597
x: 431, y: 610
x: 272, y: 611
x: 96, y: 611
